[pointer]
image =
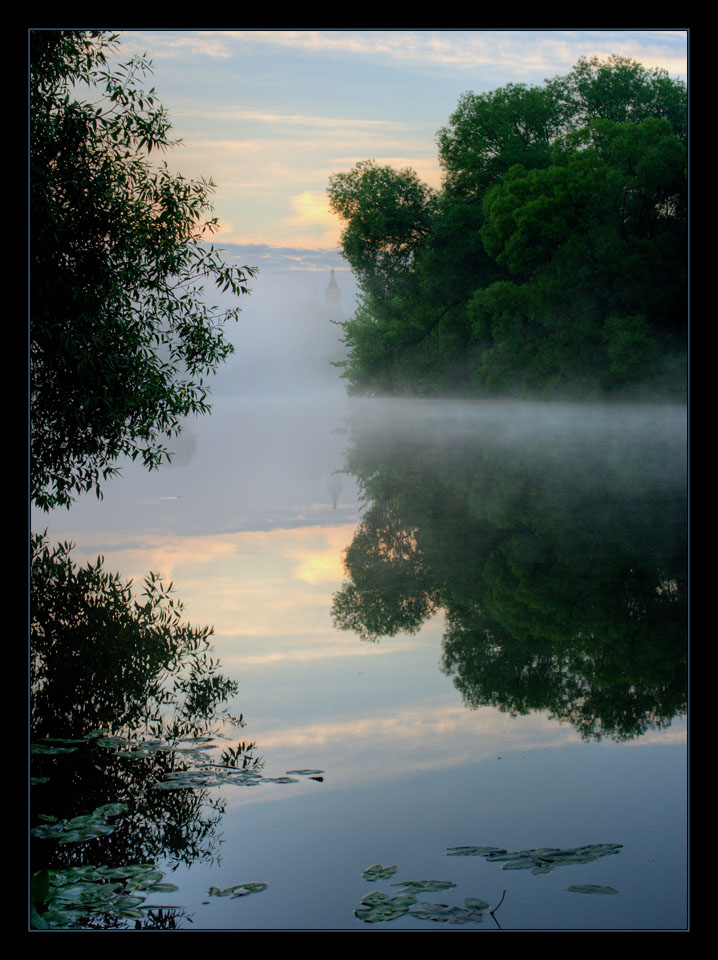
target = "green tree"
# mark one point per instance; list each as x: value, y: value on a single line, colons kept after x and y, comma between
x: 621, y: 90
x: 387, y: 214
x: 489, y: 133
x: 553, y: 259
x: 121, y: 336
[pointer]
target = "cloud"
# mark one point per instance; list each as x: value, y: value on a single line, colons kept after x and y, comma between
x: 292, y: 119
x: 168, y: 45
x: 312, y: 219
x: 523, y: 52
x: 534, y: 54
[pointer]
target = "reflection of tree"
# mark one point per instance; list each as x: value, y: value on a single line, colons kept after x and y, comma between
x: 103, y: 660
x: 562, y: 582
x: 390, y: 591
x: 100, y: 658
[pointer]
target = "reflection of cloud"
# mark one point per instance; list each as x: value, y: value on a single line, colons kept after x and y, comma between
x: 664, y: 737
x: 366, y: 748
x: 251, y: 583
x: 328, y: 650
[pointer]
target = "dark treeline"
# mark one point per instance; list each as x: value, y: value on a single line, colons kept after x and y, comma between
x: 553, y: 260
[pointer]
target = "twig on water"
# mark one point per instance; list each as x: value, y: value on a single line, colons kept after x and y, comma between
x: 493, y: 910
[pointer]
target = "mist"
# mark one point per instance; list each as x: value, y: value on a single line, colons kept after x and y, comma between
x: 274, y: 449
x: 288, y: 336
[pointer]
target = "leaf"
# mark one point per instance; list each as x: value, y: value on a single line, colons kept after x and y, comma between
x: 446, y: 913
x: 473, y: 851
x: 238, y: 890
x: 378, y: 907
x: 591, y: 888
x: 424, y: 886
x: 379, y: 872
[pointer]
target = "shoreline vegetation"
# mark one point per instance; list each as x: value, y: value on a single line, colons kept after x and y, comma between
x: 551, y: 263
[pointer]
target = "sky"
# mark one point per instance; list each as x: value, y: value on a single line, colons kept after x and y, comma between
x: 269, y: 115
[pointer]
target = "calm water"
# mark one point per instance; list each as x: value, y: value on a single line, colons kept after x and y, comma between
x: 469, y: 620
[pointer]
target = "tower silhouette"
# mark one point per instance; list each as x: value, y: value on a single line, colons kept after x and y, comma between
x: 333, y: 295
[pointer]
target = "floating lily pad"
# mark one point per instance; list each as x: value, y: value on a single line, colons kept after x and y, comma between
x: 473, y: 851
x: 46, y: 831
x: 542, y: 860
x: 57, y: 917
x: 423, y: 886
x: 305, y: 773
x: 77, y: 895
x: 506, y: 856
x: 473, y: 903
x: 377, y: 907
x: 446, y: 913
x: 46, y: 748
x: 591, y: 888
x: 162, y: 888
x: 379, y: 872
x: 84, y: 827
x: 238, y: 890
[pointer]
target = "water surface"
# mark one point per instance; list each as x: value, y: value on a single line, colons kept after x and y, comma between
x: 468, y: 618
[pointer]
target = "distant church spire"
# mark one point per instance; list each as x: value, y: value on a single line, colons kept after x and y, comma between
x: 333, y: 295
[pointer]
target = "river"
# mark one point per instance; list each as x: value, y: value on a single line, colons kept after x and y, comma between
x: 464, y: 623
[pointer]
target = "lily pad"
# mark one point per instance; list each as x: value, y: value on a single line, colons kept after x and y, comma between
x: 45, y: 831
x: 379, y: 872
x: 377, y: 907
x: 473, y: 851
x: 473, y: 903
x: 238, y: 890
x: 591, y: 888
x: 78, y: 896
x: 423, y: 886
x: 446, y: 913
x: 305, y: 773
x: 541, y: 860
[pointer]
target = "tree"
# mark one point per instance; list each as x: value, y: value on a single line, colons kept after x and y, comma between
x: 490, y: 132
x: 553, y: 259
x: 121, y: 337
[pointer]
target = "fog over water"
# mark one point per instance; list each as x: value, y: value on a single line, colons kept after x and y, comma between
x: 273, y: 447
x: 519, y: 569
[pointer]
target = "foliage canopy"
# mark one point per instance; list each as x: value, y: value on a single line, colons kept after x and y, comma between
x: 552, y: 260
x: 121, y: 337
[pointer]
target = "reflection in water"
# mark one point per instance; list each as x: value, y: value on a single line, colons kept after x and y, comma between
x: 545, y: 552
x: 334, y: 486
x: 123, y: 695
x: 558, y: 557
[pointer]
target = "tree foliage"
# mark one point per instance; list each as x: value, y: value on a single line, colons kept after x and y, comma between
x: 121, y: 337
x: 553, y: 259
